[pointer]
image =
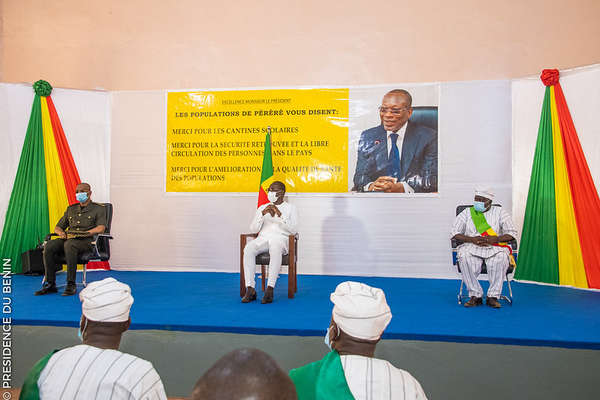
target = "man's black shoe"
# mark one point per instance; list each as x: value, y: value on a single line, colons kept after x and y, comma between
x: 70, y: 290
x: 250, y: 295
x: 47, y: 288
x: 492, y: 302
x: 268, y: 297
x: 474, y: 301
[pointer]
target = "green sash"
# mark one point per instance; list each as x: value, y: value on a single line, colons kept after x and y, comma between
x: 485, y: 229
x: 30, y: 389
x: 322, y: 380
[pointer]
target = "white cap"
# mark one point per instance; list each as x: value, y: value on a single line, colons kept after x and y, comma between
x: 107, y: 300
x: 360, y: 310
x: 486, y: 192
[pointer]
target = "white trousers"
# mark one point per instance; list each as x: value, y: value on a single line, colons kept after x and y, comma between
x: 253, y: 248
x: 470, y: 266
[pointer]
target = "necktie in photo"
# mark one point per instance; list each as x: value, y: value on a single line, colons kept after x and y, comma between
x: 394, y: 158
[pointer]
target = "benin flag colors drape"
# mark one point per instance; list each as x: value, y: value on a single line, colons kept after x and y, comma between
x: 45, y: 182
x: 266, y: 175
x: 558, y: 242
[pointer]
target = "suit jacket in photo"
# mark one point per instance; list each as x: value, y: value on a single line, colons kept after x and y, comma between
x: 418, y: 161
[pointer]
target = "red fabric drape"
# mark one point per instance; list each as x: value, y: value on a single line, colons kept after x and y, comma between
x: 67, y: 165
x: 583, y: 191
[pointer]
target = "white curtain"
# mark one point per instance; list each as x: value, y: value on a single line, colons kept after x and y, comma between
x: 356, y: 235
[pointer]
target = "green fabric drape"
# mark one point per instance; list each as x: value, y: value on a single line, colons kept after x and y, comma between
x: 26, y: 221
x: 538, y: 256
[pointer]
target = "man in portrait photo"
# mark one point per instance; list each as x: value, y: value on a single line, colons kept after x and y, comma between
x: 399, y: 155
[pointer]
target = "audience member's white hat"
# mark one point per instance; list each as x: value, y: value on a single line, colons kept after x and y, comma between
x: 107, y: 300
x: 360, y: 310
x: 485, y: 191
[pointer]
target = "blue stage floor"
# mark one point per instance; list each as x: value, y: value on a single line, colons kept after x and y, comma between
x: 423, y: 309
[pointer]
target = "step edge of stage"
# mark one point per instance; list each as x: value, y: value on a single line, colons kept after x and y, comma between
x: 583, y: 345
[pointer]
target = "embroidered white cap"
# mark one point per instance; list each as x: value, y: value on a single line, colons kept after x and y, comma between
x: 360, y: 310
x: 107, y: 300
x: 486, y: 192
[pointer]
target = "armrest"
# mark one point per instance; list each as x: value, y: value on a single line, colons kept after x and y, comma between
x: 247, y: 235
x: 103, y: 238
x: 455, y: 243
x: 48, y: 236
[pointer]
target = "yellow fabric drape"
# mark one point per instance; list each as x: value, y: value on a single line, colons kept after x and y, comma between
x: 57, y: 195
x: 570, y: 261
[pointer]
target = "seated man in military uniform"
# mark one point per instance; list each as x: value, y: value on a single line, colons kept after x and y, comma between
x: 75, y: 232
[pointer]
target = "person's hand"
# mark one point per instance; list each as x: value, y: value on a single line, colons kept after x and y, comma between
x: 270, y: 209
x: 276, y: 210
x: 396, y: 188
x: 479, y: 240
x: 382, y: 184
x: 491, y: 239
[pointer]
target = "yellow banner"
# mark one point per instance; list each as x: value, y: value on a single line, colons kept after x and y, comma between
x: 215, y: 139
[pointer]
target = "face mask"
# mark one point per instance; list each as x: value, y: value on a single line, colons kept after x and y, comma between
x: 327, y: 341
x: 272, y: 196
x: 81, y: 197
x: 79, y: 332
x: 479, y: 206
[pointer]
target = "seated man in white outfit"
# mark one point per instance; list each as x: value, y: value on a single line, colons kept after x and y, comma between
x: 484, y: 231
x: 96, y: 369
x: 349, y: 371
x: 273, y: 222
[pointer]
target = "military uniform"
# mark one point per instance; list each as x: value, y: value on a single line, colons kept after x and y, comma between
x: 76, y: 221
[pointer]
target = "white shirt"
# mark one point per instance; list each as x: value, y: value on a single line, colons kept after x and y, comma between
x: 399, y: 141
x: 496, y: 217
x: 87, y: 373
x: 374, y: 379
x: 275, y: 228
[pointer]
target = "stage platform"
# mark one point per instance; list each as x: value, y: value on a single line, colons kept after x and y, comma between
x: 423, y: 309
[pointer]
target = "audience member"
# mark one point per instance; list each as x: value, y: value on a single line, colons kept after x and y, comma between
x: 96, y: 369
x: 349, y: 371
x: 245, y: 374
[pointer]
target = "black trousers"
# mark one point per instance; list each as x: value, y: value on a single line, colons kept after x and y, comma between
x: 56, y: 249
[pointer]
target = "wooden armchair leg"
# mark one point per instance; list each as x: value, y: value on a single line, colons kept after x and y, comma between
x: 262, y: 276
x: 295, y: 278
x: 242, y: 277
x: 291, y: 280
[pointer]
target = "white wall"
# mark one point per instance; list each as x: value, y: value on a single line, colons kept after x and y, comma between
x: 85, y: 118
x: 391, y: 236
x: 582, y: 92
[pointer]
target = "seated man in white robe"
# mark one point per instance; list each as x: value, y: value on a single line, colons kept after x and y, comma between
x: 349, y: 371
x: 484, y: 231
x: 96, y: 369
x: 273, y: 222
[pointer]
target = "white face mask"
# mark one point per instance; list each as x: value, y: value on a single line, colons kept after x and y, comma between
x: 79, y: 331
x: 479, y: 206
x: 272, y: 196
x: 81, y: 197
x: 327, y: 340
